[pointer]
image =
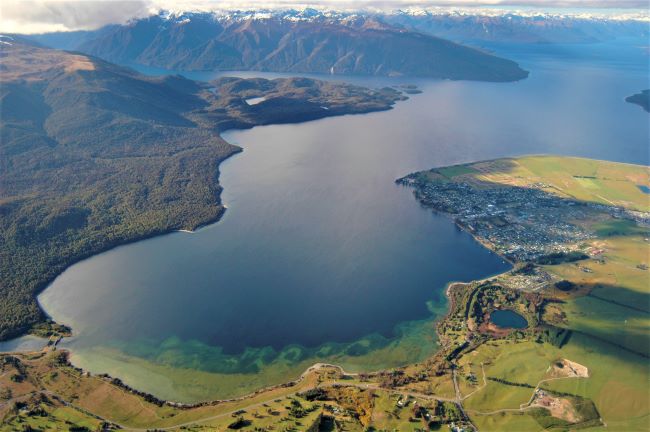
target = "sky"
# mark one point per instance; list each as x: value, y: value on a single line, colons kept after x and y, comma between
x: 38, y: 16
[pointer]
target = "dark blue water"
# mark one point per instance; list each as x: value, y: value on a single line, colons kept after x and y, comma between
x: 508, y: 319
x: 319, y: 245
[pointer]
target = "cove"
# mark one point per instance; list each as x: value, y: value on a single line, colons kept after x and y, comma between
x: 320, y: 256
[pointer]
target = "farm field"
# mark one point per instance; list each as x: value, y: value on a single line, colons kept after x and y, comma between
x: 607, y: 308
x: 590, y: 180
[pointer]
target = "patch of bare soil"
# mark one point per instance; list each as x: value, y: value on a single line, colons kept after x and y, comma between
x: 77, y: 62
x: 20, y: 62
x: 559, y: 407
x: 569, y: 369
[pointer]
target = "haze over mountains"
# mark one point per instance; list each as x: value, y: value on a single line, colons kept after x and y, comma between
x: 521, y: 28
x: 300, y: 42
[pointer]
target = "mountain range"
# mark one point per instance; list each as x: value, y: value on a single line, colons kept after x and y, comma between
x: 520, y: 28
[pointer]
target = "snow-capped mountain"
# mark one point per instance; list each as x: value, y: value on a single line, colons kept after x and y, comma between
x: 414, y: 41
x: 306, y: 41
x: 522, y: 26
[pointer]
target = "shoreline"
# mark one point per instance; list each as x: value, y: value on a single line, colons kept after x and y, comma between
x: 291, y: 382
x: 47, y: 319
x: 214, y: 402
x: 215, y: 220
x: 441, y: 319
x: 266, y: 389
x: 285, y: 384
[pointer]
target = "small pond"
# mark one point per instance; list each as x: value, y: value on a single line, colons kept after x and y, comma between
x: 508, y: 319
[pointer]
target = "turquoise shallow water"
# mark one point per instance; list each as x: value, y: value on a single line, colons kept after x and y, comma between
x: 320, y: 255
x: 24, y: 343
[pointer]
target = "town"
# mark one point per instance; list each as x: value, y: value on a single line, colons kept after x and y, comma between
x: 522, y: 224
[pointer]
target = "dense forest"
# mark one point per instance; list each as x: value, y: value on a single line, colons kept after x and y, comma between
x: 93, y: 155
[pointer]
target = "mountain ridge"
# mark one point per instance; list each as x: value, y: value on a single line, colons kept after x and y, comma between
x: 348, y: 44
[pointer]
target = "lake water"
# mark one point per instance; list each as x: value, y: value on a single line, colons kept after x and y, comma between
x: 508, y: 319
x: 24, y: 343
x: 320, y: 255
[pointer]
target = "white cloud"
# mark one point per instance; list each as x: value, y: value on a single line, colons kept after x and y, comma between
x: 36, y: 16
x: 31, y: 16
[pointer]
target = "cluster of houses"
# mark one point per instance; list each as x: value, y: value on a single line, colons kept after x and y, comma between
x: 519, y: 223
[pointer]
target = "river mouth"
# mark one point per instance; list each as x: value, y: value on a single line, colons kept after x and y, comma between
x: 320, y: 256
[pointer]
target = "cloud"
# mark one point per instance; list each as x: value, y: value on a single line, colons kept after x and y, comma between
x: 30, y: 16
x: 36, y: 16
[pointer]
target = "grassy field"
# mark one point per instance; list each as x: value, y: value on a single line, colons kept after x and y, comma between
x: 617, y: 381
x: 617, y: 308
x: 52, y: 395
x: 588, y: 180
x: 59, y: 419
x: 612, y: 320
x: 107, y: 401
x: 512, y: 421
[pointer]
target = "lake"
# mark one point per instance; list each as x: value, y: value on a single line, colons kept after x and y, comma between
x: 320, y: 255
x: 508, y: 319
